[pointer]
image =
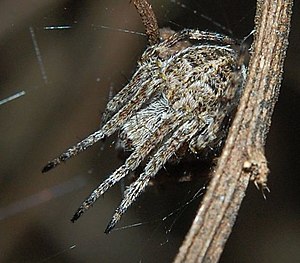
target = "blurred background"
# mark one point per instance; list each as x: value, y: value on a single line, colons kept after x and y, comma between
x: 60, y: 62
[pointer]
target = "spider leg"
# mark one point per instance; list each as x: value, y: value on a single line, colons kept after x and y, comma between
x: 193, y: 34
x: 142, y: 77
x: 141, y: 96
x: 183, y: 134
x: 201, y: 139
x: 131, y: 163
x: 74, y: 150
x: 125, y: 94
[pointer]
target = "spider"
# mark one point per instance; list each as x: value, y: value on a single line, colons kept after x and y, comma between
x: 179, y: 100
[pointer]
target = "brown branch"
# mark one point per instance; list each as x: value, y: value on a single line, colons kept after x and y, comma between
x: 243, y: 158
x: 148, y: 19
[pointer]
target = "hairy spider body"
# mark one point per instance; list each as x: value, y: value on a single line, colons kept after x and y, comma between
x: 183, y: 90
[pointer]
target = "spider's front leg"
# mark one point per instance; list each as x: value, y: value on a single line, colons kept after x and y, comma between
x: 169, y: 123
x: 141, y: 94
x: 139, y: 79
x: 182, y: 135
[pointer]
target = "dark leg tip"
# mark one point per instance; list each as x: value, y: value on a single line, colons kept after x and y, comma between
x: 108, y: 228
x: 48, y: 167
x: 75, y: 217
x: 78, y: 213
x: 111, y: 225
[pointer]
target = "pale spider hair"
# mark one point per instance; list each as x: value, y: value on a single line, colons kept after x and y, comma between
x: 183, y: 91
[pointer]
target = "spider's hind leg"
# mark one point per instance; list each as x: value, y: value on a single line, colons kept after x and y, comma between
x: 203, y: 137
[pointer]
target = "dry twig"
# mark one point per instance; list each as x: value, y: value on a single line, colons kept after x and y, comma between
x: 243, y: 155
x: 149, y: 20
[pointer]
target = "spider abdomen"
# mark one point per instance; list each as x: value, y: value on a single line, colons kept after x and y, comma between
x: 199, y: 82
x: 201, y: 78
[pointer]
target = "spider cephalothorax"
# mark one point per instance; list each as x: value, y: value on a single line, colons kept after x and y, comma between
x: 183, y: 90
